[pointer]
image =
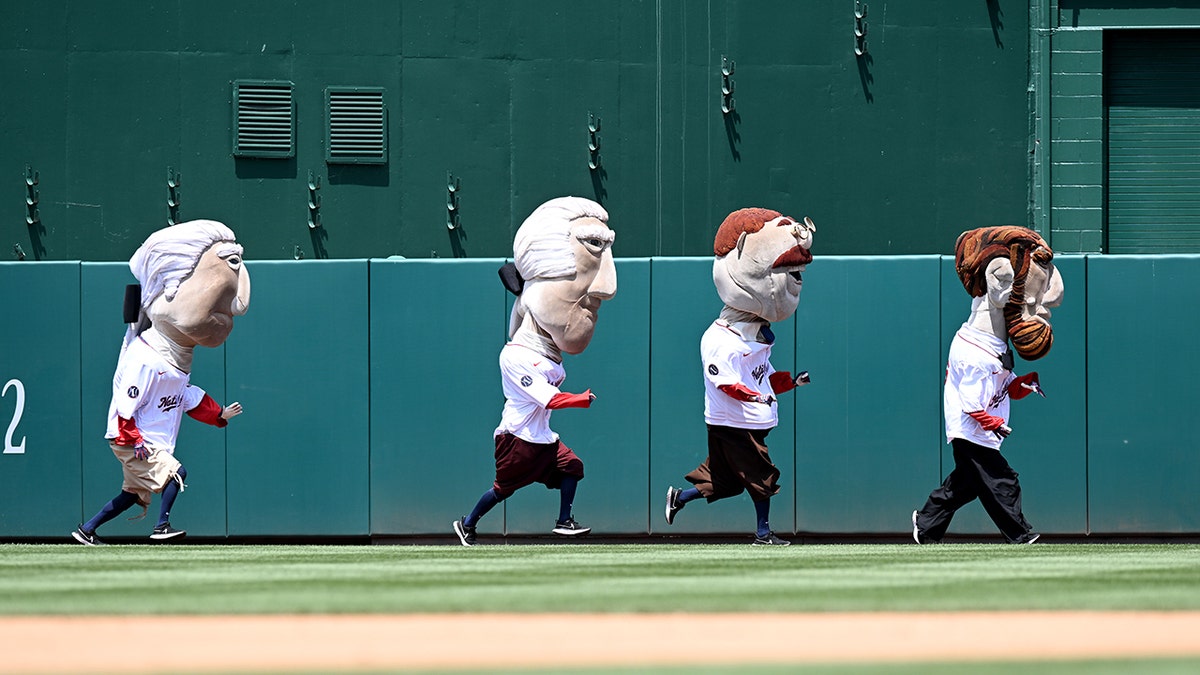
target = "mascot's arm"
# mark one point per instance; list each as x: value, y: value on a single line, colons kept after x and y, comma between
x: 781, y: 381
x: 565, y: 400
x: 1024, y: 385
x: 209, y: 412
x: 127, y: 433
x: 988, y: 422
x: 741, y: 392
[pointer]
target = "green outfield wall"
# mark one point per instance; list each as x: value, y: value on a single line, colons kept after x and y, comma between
x: 371, y: 392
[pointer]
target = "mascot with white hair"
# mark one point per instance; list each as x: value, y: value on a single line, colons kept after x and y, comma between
x: 562, y: 270
x: 191, y: 283
x: 760, y: 255
x: 1009, y: 273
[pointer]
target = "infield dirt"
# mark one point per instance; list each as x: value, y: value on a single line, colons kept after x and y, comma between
x: 348, y: 643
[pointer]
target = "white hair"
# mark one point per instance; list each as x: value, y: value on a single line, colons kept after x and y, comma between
x: 170, y: 255
x: 542, y: 245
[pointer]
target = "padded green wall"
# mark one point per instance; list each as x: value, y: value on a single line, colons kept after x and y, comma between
x: 868, y: 424
x: 39, y: 347
x: 1142, y: 360
x: 371, y: 393
x: 298, y: 458
x: 436, y: 332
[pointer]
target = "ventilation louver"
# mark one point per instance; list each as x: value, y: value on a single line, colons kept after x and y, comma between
x: 264, y: 119
x: 357, y: 132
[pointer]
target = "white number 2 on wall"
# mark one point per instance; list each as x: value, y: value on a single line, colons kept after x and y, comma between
x: 9, y: 448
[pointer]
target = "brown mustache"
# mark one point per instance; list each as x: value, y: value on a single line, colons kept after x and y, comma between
x: 794, y: 256
x: 1031, y: 339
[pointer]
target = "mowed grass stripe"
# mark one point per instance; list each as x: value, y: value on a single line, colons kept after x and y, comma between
x: 186, y: 579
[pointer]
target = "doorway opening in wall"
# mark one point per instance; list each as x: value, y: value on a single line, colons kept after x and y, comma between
x: 1152, y: 129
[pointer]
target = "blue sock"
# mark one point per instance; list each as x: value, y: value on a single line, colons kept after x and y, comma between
x: 111, y: 510
x: 687, y: 495
x: 169, y: 493
x: 485, y: 504
x: 763, y: 511
x: 567, y: 498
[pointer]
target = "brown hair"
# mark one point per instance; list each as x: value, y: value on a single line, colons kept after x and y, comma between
x: 749, y: 220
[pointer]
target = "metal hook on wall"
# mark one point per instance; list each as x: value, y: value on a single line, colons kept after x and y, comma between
x: 32, y: 217
x: 453, y: 185
x: 173, y: 183
x: 593, y: 142
x: 860, y: 29
x: 314, y: 202
x: 726, y: 85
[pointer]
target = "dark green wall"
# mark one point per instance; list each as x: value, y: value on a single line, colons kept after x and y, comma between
x: 894, y: 152
x: 371, y: 392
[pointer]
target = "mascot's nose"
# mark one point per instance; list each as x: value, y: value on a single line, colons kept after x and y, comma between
x: 241, y: 301
x: 604, y: 286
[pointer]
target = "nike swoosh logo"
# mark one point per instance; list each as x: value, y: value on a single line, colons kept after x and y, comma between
x: 162, y: 372
x: 536, y: 364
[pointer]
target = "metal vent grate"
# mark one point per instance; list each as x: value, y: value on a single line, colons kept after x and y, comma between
x: 263, y: 119
x: 357, y: 132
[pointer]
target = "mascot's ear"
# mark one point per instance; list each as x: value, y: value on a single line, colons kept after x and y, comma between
x: 999, y: 276
x: 741, y: 243
x: 133, y: 303
x: 511, y: 278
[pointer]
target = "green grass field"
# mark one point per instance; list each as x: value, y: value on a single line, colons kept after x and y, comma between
x: 284, y: 579
x: 184, y: 579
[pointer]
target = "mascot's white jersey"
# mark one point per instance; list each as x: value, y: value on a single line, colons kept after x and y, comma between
x: 530, y: 380
x: 975, y: 381
x: 153, y: 393
x: 729, y: 359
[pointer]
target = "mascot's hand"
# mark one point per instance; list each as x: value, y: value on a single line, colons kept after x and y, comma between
x: 142, y: 451
x: 801, y: 378
x: 765, y: 400
x: 1022, y: 386
x: 232, y: 410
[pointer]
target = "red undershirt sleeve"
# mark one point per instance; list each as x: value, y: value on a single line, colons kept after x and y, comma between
x: 565, y: 400
x: 988, y: 422
x: 209, y: 412
x: 781, y: 382
x: 739, y: 391
x: 127, y: 433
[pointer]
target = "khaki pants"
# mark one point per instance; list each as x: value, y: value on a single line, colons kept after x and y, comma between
x: 144, y: 477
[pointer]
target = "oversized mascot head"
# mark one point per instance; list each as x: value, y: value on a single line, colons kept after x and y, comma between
x: 193, y: 282
x: 563, y: 254
x: 1011, y: 269
x: 761, y: 255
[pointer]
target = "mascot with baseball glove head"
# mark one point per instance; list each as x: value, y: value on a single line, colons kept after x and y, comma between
x: 1010, y: 275
x: 562, y: 270
x: 191, y: 283
x: 760, y: 256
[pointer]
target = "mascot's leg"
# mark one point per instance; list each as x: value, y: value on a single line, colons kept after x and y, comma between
x: 115, y: 507
x: 169, y: 493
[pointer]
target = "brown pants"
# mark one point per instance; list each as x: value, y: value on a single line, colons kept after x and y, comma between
x: 520, y: 463
x: 737, y: 460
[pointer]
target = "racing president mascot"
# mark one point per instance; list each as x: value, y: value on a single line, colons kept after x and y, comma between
x: 562, y: 270
x: 760, y: 255
x: 191, y: 283
x: 1010, y: 275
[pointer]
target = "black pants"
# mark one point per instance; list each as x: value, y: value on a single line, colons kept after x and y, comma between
x: 979, y: 473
